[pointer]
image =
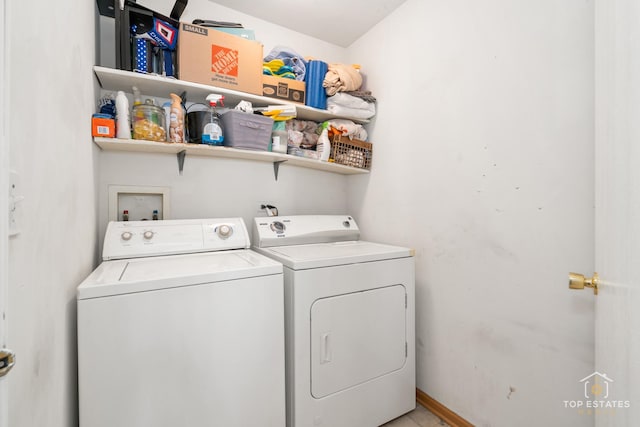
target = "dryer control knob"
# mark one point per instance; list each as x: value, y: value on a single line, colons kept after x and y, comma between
x: 126, y: 236
x: 278, y: 227
x: 148, y: 235
x: 224, y: 231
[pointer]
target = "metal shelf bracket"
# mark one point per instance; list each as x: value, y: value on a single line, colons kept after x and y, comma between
x: 181, y: 155
x: 276, y: 167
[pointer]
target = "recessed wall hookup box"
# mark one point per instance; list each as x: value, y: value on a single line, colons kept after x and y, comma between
x: 140, y: 202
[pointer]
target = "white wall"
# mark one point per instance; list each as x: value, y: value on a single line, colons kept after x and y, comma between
x: 483, y: 158
x: 270, y: 35
x: 52, y: 96
x: 212, y: 187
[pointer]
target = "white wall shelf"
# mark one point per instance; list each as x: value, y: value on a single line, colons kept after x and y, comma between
x: 141, y: 146
x: 159, y: 86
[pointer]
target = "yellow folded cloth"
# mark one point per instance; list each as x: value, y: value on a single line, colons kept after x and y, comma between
x: 341, y: 78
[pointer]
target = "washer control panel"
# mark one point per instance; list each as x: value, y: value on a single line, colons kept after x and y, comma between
x: 303, y: 229
x: 132, y: 239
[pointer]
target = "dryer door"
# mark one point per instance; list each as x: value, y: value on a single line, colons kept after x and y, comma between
x: 356, y: 337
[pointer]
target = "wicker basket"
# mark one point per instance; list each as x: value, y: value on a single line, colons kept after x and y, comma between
x: 351, y: 152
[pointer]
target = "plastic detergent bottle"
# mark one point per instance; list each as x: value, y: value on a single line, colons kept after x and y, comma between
x: 176, y: 119
x: 212, y: 131
x: 324, y: 146
x: 137, y: 100
x: 122, y: 116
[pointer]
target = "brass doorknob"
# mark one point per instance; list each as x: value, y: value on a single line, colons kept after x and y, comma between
x: 578, y: 281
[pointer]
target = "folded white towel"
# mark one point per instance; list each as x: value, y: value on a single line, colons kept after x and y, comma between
x: 347, y: 105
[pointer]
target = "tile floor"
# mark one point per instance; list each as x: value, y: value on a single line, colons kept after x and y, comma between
x: 419, y: 417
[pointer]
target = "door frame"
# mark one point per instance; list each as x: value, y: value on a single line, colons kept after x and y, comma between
x: 617, y: 103
x: 4, y: 210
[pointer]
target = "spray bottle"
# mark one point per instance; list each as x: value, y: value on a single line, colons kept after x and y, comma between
x: 212, y: 132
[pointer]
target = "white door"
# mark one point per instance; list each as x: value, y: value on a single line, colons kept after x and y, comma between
x: 617, y: 244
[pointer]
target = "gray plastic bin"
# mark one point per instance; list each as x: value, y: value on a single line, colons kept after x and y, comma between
x: 244, y: 130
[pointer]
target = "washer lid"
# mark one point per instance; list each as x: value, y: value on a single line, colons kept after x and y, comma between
x: 301, y: 257
x: 120, y: 277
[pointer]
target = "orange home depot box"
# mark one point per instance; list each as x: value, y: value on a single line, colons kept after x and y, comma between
x: 219, y: 59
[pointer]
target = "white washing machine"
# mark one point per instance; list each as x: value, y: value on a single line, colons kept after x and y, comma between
x: 349, y: 321
x: 181, y: 325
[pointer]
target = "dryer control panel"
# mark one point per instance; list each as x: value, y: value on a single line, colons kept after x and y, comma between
x: 303, y: 229
x: 132, y: 239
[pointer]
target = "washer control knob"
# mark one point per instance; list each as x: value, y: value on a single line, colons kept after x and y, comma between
x: 126, y: 236
x: 148, y: 235
x: 278, y: 227
x: 224, y: 231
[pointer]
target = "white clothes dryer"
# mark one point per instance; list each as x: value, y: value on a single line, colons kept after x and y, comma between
x: 349, y: 321
x: 181, y: 325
